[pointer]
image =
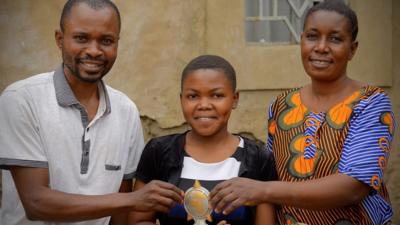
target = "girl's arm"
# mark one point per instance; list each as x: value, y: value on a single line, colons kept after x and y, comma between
x: 265, y: 214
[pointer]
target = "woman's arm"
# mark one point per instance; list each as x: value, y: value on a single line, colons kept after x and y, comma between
x: 329, y: 192
x: 325, y: 193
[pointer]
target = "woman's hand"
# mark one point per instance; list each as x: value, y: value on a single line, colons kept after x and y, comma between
x: 223, y: 222
x: 230, y: 194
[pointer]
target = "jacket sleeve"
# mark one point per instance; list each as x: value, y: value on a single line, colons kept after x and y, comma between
x: 267, y: 162
x: 148, y: 164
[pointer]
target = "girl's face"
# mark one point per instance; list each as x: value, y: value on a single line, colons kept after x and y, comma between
x: 326, y: 45
x: 207, y: 99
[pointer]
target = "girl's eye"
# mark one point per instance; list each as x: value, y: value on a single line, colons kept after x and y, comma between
x: 218, y: 96
x: 335, y: 39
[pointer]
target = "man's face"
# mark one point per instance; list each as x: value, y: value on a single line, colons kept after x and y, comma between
x: 89, y: 42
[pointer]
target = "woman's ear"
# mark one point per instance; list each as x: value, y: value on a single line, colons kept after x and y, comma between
x: 353, y: 49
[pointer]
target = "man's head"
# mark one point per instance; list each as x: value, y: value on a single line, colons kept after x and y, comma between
x: 88, y: 38
x: 94, y: 4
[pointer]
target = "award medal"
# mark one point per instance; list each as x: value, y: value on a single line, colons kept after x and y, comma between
x: 196, y: 204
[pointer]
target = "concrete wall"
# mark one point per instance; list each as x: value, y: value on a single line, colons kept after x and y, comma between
x: 160, y: 37
x: 393, y: 172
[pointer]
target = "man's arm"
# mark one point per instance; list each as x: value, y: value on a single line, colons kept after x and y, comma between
x: 122, y: 218
x: 141, y: 218
x: 42, y: 203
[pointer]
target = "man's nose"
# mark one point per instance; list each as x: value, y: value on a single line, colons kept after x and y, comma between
x: 94, y: 49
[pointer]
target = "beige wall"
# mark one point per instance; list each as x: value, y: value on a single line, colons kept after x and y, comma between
x: 393, y: 173
x: 160, y: 37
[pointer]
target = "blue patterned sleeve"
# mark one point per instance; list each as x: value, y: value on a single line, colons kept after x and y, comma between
x: 367, y: 145
x: 271, y: 127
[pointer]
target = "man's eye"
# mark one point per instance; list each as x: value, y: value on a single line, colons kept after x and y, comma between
x: 107, y: 41
x: 191, y: 96
x: 80, y: 38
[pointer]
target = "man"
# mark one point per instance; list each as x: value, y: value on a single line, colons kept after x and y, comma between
x: 68, y: 142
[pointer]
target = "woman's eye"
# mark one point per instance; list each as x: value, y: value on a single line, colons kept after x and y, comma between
x: 311, y: 37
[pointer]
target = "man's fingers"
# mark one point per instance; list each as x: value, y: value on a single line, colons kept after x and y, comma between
x: 171, y: 187
x: 161, y: 208
x: 166, y: 202
x: 223, y: 222
x: 168, y: 190
x: 176, y: 197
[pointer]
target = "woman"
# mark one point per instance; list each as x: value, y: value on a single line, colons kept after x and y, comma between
x: 208, y: 152
x: 330, y: 139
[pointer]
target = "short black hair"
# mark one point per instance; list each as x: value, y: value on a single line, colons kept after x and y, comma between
x: 340, y: 7
x: 94, y: 4
x: 210, y: 62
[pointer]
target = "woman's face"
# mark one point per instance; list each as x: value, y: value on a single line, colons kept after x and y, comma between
x: 326, y: 45
x: 207, y: 100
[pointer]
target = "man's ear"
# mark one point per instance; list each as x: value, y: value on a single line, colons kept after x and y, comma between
x: 59, y: 37
x: 353, y: 49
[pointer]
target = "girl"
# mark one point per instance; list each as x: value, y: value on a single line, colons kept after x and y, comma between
x: 208, y: 152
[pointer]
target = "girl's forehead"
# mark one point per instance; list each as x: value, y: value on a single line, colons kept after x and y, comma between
x: 210, y: 77
x: 206, y: 74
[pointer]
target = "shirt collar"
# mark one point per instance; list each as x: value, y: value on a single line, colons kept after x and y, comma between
x: 65, y: 96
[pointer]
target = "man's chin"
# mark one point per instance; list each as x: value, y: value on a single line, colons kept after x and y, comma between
x: 91, y: 76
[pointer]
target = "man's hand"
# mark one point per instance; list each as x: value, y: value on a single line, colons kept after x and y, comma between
x: 233, y: 193
x: 157, y: 196
x: 223, y: 222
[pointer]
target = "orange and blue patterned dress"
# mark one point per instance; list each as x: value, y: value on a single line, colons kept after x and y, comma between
x: 352, y: 138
